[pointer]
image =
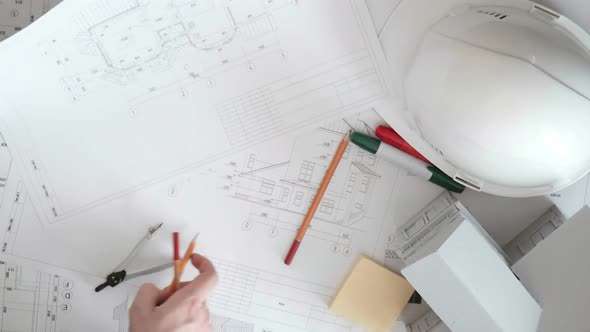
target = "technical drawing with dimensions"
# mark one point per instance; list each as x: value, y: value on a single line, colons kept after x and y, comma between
x: 217, y: 116
x: 280, y: 191
x: 36, y: 298
x: 268, y: 199
x: 256, y: 287
x: 140, y: 91
x: 17, y: 14
x: 32, y: 300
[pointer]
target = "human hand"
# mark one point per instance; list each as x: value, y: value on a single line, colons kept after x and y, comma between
x: 155, y: 310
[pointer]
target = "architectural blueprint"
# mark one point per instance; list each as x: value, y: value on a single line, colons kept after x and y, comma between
x: 170, y: 111
x: 39, y: 298
x: 33, y: 298
x: 187, y: 83
x: 255, y: 288
x: 215, y: 116
x: 279, y: 187
x: 17, y: 14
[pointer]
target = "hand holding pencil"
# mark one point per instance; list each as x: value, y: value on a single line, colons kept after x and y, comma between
x: 179, y: 264
x: 180, y: 307
x: 184, y: 310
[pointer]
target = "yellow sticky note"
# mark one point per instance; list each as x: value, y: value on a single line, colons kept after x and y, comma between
x: 372, y: 296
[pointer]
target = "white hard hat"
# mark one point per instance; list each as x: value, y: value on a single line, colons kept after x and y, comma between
x: 497, y: 96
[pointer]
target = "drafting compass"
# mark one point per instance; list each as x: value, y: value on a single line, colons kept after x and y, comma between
x: 120, y: 273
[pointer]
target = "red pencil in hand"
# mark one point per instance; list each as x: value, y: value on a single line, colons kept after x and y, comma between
x: 176, y: 243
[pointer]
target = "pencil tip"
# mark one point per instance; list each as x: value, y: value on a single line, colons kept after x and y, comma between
x: 347, y: 136
x: 196, y: 236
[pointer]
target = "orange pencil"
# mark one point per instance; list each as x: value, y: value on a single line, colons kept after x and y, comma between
x: 318, y: 198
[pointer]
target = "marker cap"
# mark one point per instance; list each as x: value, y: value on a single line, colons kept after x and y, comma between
x: 365, y: 142
x: 445, y: 181
x: 391, y: 137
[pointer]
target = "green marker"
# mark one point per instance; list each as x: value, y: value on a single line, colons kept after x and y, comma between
x: 406, y: 161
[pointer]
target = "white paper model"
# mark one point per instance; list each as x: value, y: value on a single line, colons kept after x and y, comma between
x: 463, y: 276
x: 556, y: 274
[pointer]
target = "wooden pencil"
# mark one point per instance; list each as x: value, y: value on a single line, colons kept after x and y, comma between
x: 184, y: 262
x: 318, y: 198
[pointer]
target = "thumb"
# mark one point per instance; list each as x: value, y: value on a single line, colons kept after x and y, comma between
x: 146, y: 299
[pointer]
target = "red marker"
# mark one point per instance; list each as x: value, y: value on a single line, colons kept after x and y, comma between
x: 392, y: 138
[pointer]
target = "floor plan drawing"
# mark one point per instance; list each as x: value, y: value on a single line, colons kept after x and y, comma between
x: 17, y: 14
x: 147, y: 37
x: 228, y: 73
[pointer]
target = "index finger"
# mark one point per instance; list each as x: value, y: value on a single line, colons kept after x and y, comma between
x: 199, y: 287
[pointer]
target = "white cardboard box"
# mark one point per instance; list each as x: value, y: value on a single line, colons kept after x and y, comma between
x: 465, y: 278
x: 557, y: 273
